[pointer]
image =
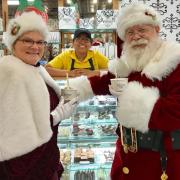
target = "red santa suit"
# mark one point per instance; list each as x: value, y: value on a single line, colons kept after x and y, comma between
x: 150, y: 102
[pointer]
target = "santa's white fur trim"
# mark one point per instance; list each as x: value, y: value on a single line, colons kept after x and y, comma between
x: 159, y: 66
x: 83, y: 86
x: 103, y: 72
x: 119, y: 67
x: 164, y: 61
x: 135, y: 106
x: 135, y: 14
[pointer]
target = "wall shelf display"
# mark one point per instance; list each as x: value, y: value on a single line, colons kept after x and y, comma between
x: 54, y: 37
x: 67, y: 17
x: 87, y: 139
x: 106, y: 19
x: 87, y: 23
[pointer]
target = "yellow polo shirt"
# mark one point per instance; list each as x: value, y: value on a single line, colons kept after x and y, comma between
x: 64, y: 60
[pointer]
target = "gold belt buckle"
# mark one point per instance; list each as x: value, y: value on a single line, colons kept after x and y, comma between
x: 133, y: 147
x: 123, y: 139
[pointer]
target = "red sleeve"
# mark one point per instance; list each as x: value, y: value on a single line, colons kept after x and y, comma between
x: 100, y: 85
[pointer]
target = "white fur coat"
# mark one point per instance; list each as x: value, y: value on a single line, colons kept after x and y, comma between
x: 24, y: 107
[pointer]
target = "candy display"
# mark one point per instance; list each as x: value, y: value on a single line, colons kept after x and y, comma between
x: 108, y: 130
x: 81, y: 154
x: 84, y: 175
x: 102, y: 100
x: 88, y: 139
x: 64, y: 131
x: 109, y: 155
x: 65, y: 157
x: 102, y: 174
x: 82, y: 130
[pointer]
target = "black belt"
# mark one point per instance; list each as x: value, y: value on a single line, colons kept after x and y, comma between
x: 152, y: 140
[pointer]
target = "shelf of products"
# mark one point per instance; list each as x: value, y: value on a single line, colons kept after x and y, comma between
x: 87, y: 139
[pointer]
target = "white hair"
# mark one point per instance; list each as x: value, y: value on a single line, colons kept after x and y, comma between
x: 138, y: 58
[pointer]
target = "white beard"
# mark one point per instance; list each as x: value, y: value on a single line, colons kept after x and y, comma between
x: 138, y: 58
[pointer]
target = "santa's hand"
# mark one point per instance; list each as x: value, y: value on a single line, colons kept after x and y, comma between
x: 114, y: 92
x: 64, y: 111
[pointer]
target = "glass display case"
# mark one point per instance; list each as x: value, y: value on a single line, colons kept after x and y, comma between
x: 87, y: 139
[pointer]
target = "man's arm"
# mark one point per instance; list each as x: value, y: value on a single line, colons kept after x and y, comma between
x: 55, y: 72
x: 57, y: 66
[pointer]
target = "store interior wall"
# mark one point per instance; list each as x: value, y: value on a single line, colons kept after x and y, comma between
x: 86, y: 8
x: 169, y: 11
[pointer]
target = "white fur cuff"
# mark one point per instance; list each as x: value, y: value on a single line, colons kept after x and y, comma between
x: 83, y: 86
x: 136, y: 105
x: 119, y: 67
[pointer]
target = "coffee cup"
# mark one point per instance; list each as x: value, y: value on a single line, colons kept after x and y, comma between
x: 69, y: 94
x: 118, y: 84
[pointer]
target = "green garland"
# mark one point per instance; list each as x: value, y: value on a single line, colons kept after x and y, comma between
x: 23, y: 4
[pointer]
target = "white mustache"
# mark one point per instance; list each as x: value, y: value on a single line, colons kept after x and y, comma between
x: 139, y: 42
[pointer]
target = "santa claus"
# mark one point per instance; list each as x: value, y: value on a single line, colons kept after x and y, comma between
x: 148, y: 108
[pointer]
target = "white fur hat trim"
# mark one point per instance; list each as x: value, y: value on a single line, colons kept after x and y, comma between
x: 134, y: 14
x: 28, y: 21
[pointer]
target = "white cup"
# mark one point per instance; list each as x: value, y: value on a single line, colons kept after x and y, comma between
x: 69, y: 94
x: 118, y: 84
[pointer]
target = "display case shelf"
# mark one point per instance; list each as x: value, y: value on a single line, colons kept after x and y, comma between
x: 88, y: 166
x: 83, y: 139
x: 99, y: 168
x: 87, y: 157
x: 87, y: 139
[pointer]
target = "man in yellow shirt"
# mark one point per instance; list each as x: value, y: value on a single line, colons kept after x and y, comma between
x: 80, y: 60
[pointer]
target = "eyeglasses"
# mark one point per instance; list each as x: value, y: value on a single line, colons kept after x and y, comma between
x: 86, y: 40
x: 30, y: 42
x: 139, y: 31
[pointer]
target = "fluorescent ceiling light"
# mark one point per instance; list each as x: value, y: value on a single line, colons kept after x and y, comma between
x: 13, y: 2
x: 16, y: 2
x: 69, y: 2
